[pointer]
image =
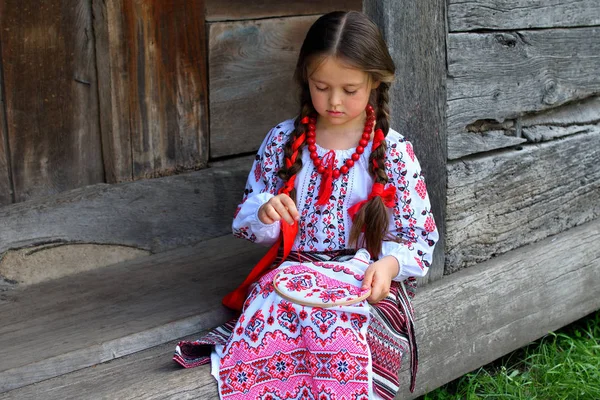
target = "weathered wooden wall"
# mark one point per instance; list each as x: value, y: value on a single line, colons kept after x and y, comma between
x: 99, y: 91
x: 253, y: 48
x: 51, y: 101
x: 520, y: 73
x: 151, y: 59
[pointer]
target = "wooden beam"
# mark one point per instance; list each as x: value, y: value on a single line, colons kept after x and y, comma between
x: 501, y: 201
x: 504, y: 304
x: 144, y: 214
x: 153, y: 93
x: 505, y: 75
x: 248, y: 95
x: 219, y: 10
x: 51, y: 99
x: 416, y: 34
x: 6, y: 190
x: 521, y: 14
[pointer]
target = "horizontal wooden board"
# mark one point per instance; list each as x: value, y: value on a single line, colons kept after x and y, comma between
x: 219, y: 10
x: 501, y: 201
x: 108, y: 313
x: 251, y: 66
x: 504, y: 304
x: 545, y: 133
x: 148, y: 375
x: 466, y: 15
x: 497, y: 307
x: 155, y: 215
x: 503, y: 75
x: 581, y: 112
x: 51, y: 96
x: 152, y: 66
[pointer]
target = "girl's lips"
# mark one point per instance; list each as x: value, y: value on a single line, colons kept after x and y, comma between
x: 335, y: 112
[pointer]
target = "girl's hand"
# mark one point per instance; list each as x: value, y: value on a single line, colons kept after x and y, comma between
x: 378, y: 277
x: 277, y: 208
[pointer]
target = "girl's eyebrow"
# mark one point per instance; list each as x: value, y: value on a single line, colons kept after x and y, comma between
x: 346, y: 84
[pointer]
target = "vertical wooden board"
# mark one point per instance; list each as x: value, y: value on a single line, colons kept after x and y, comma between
x: 415, y: 32
x: 251, y: 66
x: 219, y: 10
x: 51, y: 98
x: 521, y: 14
x: 153, y: 56
x: 5, y: 186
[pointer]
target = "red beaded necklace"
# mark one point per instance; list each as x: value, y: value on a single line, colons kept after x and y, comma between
x: 325, y: 166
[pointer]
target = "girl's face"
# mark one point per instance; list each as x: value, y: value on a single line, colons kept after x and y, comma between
x: 339, y: 93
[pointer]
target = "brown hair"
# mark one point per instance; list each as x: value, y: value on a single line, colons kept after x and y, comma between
x: 353, y: 38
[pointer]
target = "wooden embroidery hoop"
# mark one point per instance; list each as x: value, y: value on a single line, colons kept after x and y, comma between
x: 304, y: 302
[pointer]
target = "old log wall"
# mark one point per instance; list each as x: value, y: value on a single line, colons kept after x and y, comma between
x: 523, y: 111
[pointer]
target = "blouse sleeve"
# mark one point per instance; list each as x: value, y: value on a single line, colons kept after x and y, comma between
x: 262, y: 184
x: 411, y: 222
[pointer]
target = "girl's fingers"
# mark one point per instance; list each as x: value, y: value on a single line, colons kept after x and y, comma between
x: 281, y: 209
x: 368, y: 278
x: 272, y: 213
x: 291, y: 206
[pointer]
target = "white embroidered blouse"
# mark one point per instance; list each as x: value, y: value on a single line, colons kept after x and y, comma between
x: 327, y: 227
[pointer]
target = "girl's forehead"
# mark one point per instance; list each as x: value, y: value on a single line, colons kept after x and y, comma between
x: 332, y: 70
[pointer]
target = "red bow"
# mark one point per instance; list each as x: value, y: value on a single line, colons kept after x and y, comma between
x: 387, y: 195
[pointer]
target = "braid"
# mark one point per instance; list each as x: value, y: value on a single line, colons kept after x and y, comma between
x: 293, y: 153
x: 373, y: 218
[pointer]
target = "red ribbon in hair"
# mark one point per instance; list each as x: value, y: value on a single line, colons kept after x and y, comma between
x: 378, y: 137
x: 387, y: 195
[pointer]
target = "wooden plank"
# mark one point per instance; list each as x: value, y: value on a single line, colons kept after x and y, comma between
x: 501, y: 201
x: 498, y: 306
x: 219, y: 10
x: 149, y: 374
x: 104, y: 314
x: 504, y: 304
x: 521, y: 14
x: 251, y: 65
x: 151, y: 60
x: 5, y: 183
x: 544, y: 133
x: 51, y: 98
x: 418, y: 108
x: 154, y: 218
x: 503, y: 75
x: 582, y: 112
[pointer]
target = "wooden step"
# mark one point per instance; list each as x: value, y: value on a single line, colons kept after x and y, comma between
x: 465, y: 320
x: 60, y: 326
x: 147, y: 375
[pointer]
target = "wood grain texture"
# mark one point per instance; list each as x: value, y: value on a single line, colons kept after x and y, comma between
x: 147, y: 375
x: 219, y: 10
x: 497, y: 306
x: 51, y: 96
x: 501, y: 201
x: 545, y: 133
x: 5, y: 184
x: 503, y: 75
x: 111, y: 312
x: 504, y: 304
x: 583, y: 112
x: 251, y: 66
x: 466, y: 15
x: 155, y: 215
x: 152, y: 65
x: 416, y: 35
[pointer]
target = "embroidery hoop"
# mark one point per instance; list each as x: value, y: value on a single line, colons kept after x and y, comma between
x: 302, y: 300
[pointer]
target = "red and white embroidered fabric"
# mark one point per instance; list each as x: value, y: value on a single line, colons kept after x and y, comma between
x: 283, y: 350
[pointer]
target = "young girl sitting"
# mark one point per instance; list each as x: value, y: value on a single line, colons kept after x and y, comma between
x: 333, y: 180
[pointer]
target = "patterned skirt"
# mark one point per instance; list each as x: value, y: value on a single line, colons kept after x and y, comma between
x: 389, y: 335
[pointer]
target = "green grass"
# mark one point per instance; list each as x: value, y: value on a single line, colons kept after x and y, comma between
x: 561, y: 365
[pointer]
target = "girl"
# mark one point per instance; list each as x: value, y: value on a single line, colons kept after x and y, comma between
x: 324, y: 184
